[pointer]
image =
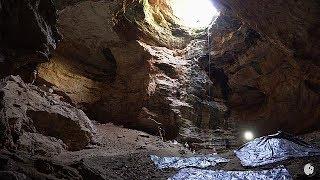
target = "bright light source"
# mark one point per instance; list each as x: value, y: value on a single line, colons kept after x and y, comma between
x: 194, y: 13
x: 248, y: 135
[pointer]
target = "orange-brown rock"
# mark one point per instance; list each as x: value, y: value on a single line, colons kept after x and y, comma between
x: 268, y: 82
x: 259, y: 77
x: 115, y: 79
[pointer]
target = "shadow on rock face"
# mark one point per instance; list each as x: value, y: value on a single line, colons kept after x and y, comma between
x: 28, y: 31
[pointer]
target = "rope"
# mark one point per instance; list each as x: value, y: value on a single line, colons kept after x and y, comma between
x: 209, y: 55
x: 209, y: 61
x: 209, y: 66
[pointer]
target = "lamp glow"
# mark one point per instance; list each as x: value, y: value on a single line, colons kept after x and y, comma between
x: 248, y: 135
x: 194, y: 13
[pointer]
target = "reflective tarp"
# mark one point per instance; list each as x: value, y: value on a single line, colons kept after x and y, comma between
x: 274, y: 148
x: 198, y: 174
x: 182, y: 162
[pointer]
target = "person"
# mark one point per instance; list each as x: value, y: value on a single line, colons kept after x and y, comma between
x: 227, y: 143
x: 35, y: 73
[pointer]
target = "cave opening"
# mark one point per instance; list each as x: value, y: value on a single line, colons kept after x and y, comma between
x: 197, y: 14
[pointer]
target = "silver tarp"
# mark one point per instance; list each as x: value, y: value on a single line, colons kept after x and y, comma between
x: 182, y: 162
x: 274, y: 148
x: 199, y: 174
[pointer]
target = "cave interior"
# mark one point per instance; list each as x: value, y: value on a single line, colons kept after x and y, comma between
x: 90, y: 89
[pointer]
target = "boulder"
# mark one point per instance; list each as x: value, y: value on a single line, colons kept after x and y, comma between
x: 28, y: 109
x: 20, y: 165
x: 11, y: 175
x: 39, y: 144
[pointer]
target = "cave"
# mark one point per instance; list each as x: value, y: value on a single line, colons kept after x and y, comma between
x: 103, y: 89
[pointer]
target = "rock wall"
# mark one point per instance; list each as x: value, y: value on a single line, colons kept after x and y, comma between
x: 270, y: 63
x: 28, y: 33
x: 110, y: 65
x: 294, y: 25
x: 153, y: 22
x: 112, y: 77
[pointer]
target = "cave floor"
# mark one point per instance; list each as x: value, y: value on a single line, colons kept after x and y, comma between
x: 122, y: 153
x: 125, y: 154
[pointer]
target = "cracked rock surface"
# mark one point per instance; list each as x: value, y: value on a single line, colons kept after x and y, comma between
x: 27, y: 109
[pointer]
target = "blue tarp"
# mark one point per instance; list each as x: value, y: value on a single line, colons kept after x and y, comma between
x: 182, y: 162
x: 274, y: 148
x: 199, y: 174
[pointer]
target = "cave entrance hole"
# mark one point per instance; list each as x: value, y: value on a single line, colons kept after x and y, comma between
x: 194, y: 13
